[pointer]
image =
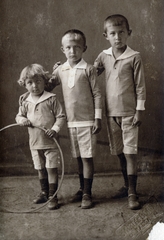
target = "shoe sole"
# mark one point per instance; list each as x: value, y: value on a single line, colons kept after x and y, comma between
x: 53, y: 208
x: 40, y: 202
x: 87, y: 207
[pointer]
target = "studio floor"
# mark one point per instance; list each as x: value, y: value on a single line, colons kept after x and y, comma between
x: 109, y: 219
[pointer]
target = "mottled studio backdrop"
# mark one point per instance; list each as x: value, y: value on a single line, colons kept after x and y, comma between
x: 31, y: 31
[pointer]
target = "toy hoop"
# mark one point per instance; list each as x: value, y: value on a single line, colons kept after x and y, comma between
x: 62, y: 174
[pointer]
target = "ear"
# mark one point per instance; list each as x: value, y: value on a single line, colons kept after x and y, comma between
x: 129, y: 33
x: 85, y: 48
x: 62, y: 49
x: 105, y: 35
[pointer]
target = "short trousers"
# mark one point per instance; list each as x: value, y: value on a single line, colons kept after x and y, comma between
x: 123, y: 137
x: 45, y: 158
x: 83, y: 142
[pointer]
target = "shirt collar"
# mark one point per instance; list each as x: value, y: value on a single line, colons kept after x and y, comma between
x: 127, y: 53
x: 44, y: 96
x: 82, y: 65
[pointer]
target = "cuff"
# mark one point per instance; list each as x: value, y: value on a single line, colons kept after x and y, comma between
x: 98, y: 113
x: 140, y: 105
x: 56, y: 128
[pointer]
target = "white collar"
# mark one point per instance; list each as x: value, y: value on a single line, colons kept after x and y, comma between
x: 43, y: 97
x: 82, y: 64
x: 127, y: 53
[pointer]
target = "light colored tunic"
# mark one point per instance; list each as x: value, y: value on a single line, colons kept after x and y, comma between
x: 125, y: 83
x: 82, y: 96
x: 46, y: 112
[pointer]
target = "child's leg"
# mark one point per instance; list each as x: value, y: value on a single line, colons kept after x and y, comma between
x: 83, y: 143
x: 53, y: 186
x: 39, y: 164
x: 88, y: 171
x: 53, y: 180
x: 43, y: 178
x: 76, y: 154
x: 123, y: 191
x: 78, y: 196
x: 123, y: 164
x: 132, y: 178
x: 116, y: 148
x: 51, y: 156
x: 132, y: 172
x: 80, y: 172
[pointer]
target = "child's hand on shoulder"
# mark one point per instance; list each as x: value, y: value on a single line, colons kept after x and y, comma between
x: 96, y: 126
x: 50, y: 133
x: 25, y: 123
x: 52, y: 80
x: 99, y: 68
x: 56, y: 65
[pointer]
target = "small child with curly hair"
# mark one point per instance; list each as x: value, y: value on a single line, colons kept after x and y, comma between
x: 40, y: 108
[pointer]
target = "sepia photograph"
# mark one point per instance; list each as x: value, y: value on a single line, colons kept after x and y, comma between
x: 81, y: 120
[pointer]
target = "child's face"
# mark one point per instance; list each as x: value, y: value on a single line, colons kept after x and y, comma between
x: 73, y: 48
x: 117, y: 35
x: 35, y: 85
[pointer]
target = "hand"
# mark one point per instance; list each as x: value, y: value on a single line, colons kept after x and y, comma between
x: 53, y: 77
x: 137, y: 119
x: 96, y: 126
x: 50, y: 133
x: 99, y: 69
x: 26, y: 123
x: 56, y: 65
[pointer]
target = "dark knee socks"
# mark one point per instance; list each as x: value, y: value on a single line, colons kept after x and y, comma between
x: 124, y: 169
x: 44, y: 185
x: 81, y: 179
x: 52, y: 189
x: 87, y: 186
x: 132, y: 184
x: 49, y: 189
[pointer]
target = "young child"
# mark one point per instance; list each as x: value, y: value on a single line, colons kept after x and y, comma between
x: 125, y: 99
x: 41, y: 108
x: 83, y: 106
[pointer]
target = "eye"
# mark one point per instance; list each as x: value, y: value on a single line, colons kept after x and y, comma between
x: 112, y: 33
x: 38, y: 81
x: 28, y: 82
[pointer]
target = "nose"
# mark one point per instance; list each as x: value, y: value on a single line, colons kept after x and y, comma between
x: 117, y: 35
x: 72, y: 50
x: 34, y: 84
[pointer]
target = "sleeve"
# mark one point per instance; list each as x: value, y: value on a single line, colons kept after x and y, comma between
x: 53, y: 81
x: 139, y: 80
x: 99, y: 65
x: 59, y: 115
x: 22, y: 113
x: 96, y: 92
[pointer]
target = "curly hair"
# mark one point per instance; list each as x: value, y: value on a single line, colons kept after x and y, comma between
x: 31, y: 71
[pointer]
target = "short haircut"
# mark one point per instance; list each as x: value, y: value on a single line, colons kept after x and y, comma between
x: 74, y: 32
x: 33, y: 70
x: 116, y: 20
